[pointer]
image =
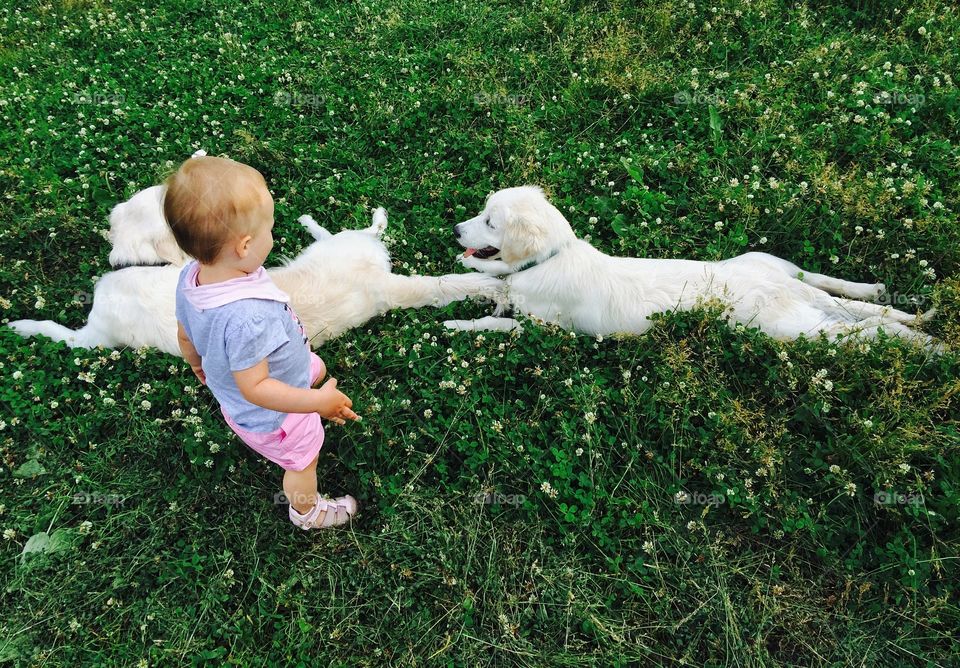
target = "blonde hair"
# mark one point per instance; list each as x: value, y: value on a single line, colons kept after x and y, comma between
x: 208, y: 202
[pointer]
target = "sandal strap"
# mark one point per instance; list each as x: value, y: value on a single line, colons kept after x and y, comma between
x: 334, y: 512
x: 340, y: 513
x: 311, y: 517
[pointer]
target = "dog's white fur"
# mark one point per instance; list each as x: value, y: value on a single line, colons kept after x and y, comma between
x: 138, y: 236
x: 576, y: 286
x: 339, y: 282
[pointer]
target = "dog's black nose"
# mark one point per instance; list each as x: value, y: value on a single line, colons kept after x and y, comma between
x: 456, y: 231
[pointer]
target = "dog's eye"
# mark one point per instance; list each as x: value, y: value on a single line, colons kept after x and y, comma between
x: 489, y: 224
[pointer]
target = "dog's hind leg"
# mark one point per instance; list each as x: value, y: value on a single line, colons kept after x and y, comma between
x: 861, y: 310
x: 378, y: 223
x: 869, y: 328
x: 836, y: 286
x: 314, y: 228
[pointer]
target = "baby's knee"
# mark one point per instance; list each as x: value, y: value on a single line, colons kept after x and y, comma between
x: 320, y: 369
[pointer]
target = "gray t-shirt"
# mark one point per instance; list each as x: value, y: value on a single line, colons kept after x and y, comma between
x: 237, y: 336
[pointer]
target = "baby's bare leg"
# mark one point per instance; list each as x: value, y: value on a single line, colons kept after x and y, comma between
x: 301, y: 487
x: 320, y: 375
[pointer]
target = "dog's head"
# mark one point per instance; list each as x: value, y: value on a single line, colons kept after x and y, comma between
x: 516, y: 225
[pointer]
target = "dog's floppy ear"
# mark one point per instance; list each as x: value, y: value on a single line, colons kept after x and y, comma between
x: 525, y: 235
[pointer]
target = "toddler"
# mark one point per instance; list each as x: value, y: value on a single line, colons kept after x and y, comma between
x: 241, y: 338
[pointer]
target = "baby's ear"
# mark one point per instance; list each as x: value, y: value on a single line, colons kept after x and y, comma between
x: 243, y: 246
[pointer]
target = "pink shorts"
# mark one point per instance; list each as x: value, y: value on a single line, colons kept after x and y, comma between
x: 298, y: 440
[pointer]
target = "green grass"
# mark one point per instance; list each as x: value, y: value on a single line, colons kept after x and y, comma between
x: 642, y: 121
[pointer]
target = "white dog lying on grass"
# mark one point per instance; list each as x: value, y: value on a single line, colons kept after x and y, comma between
x: 339, y: 282
x: 553, y: 276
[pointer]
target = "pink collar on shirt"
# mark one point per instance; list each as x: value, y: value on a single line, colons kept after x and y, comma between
x: 252, y: 286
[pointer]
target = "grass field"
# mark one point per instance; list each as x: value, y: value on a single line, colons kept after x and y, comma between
x: 696, y: 496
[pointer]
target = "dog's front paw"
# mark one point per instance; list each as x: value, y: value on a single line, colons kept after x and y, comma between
x: 470, y: 262
x: 475, y: 285
x: 484, y: 285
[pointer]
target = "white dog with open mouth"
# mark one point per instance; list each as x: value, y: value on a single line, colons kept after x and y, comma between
x: 339, y: 282
x: 553, y: 276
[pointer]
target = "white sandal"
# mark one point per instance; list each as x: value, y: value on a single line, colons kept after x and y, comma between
x: 338, y: 512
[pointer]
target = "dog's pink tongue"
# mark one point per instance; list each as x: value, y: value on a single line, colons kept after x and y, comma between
x: 469, y: 252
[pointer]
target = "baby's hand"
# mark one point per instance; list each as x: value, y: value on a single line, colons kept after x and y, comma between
x: 334, y: 404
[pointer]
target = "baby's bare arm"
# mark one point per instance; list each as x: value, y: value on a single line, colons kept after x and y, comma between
x: 257, y: 387
x: 190, y: 353
x: 186, y: 346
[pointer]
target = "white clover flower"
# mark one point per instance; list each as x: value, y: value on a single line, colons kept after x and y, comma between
x: 9, y: 534
x: 145, y: 405
x: 590, y: 417
x: 85, y: 527
x: 904, y: 468
x: 834, y: 469
x: 17, y: 375
x: 648, y: 546
x: 850, y: 488
x: 428, y: 413
x: 548, y: 489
